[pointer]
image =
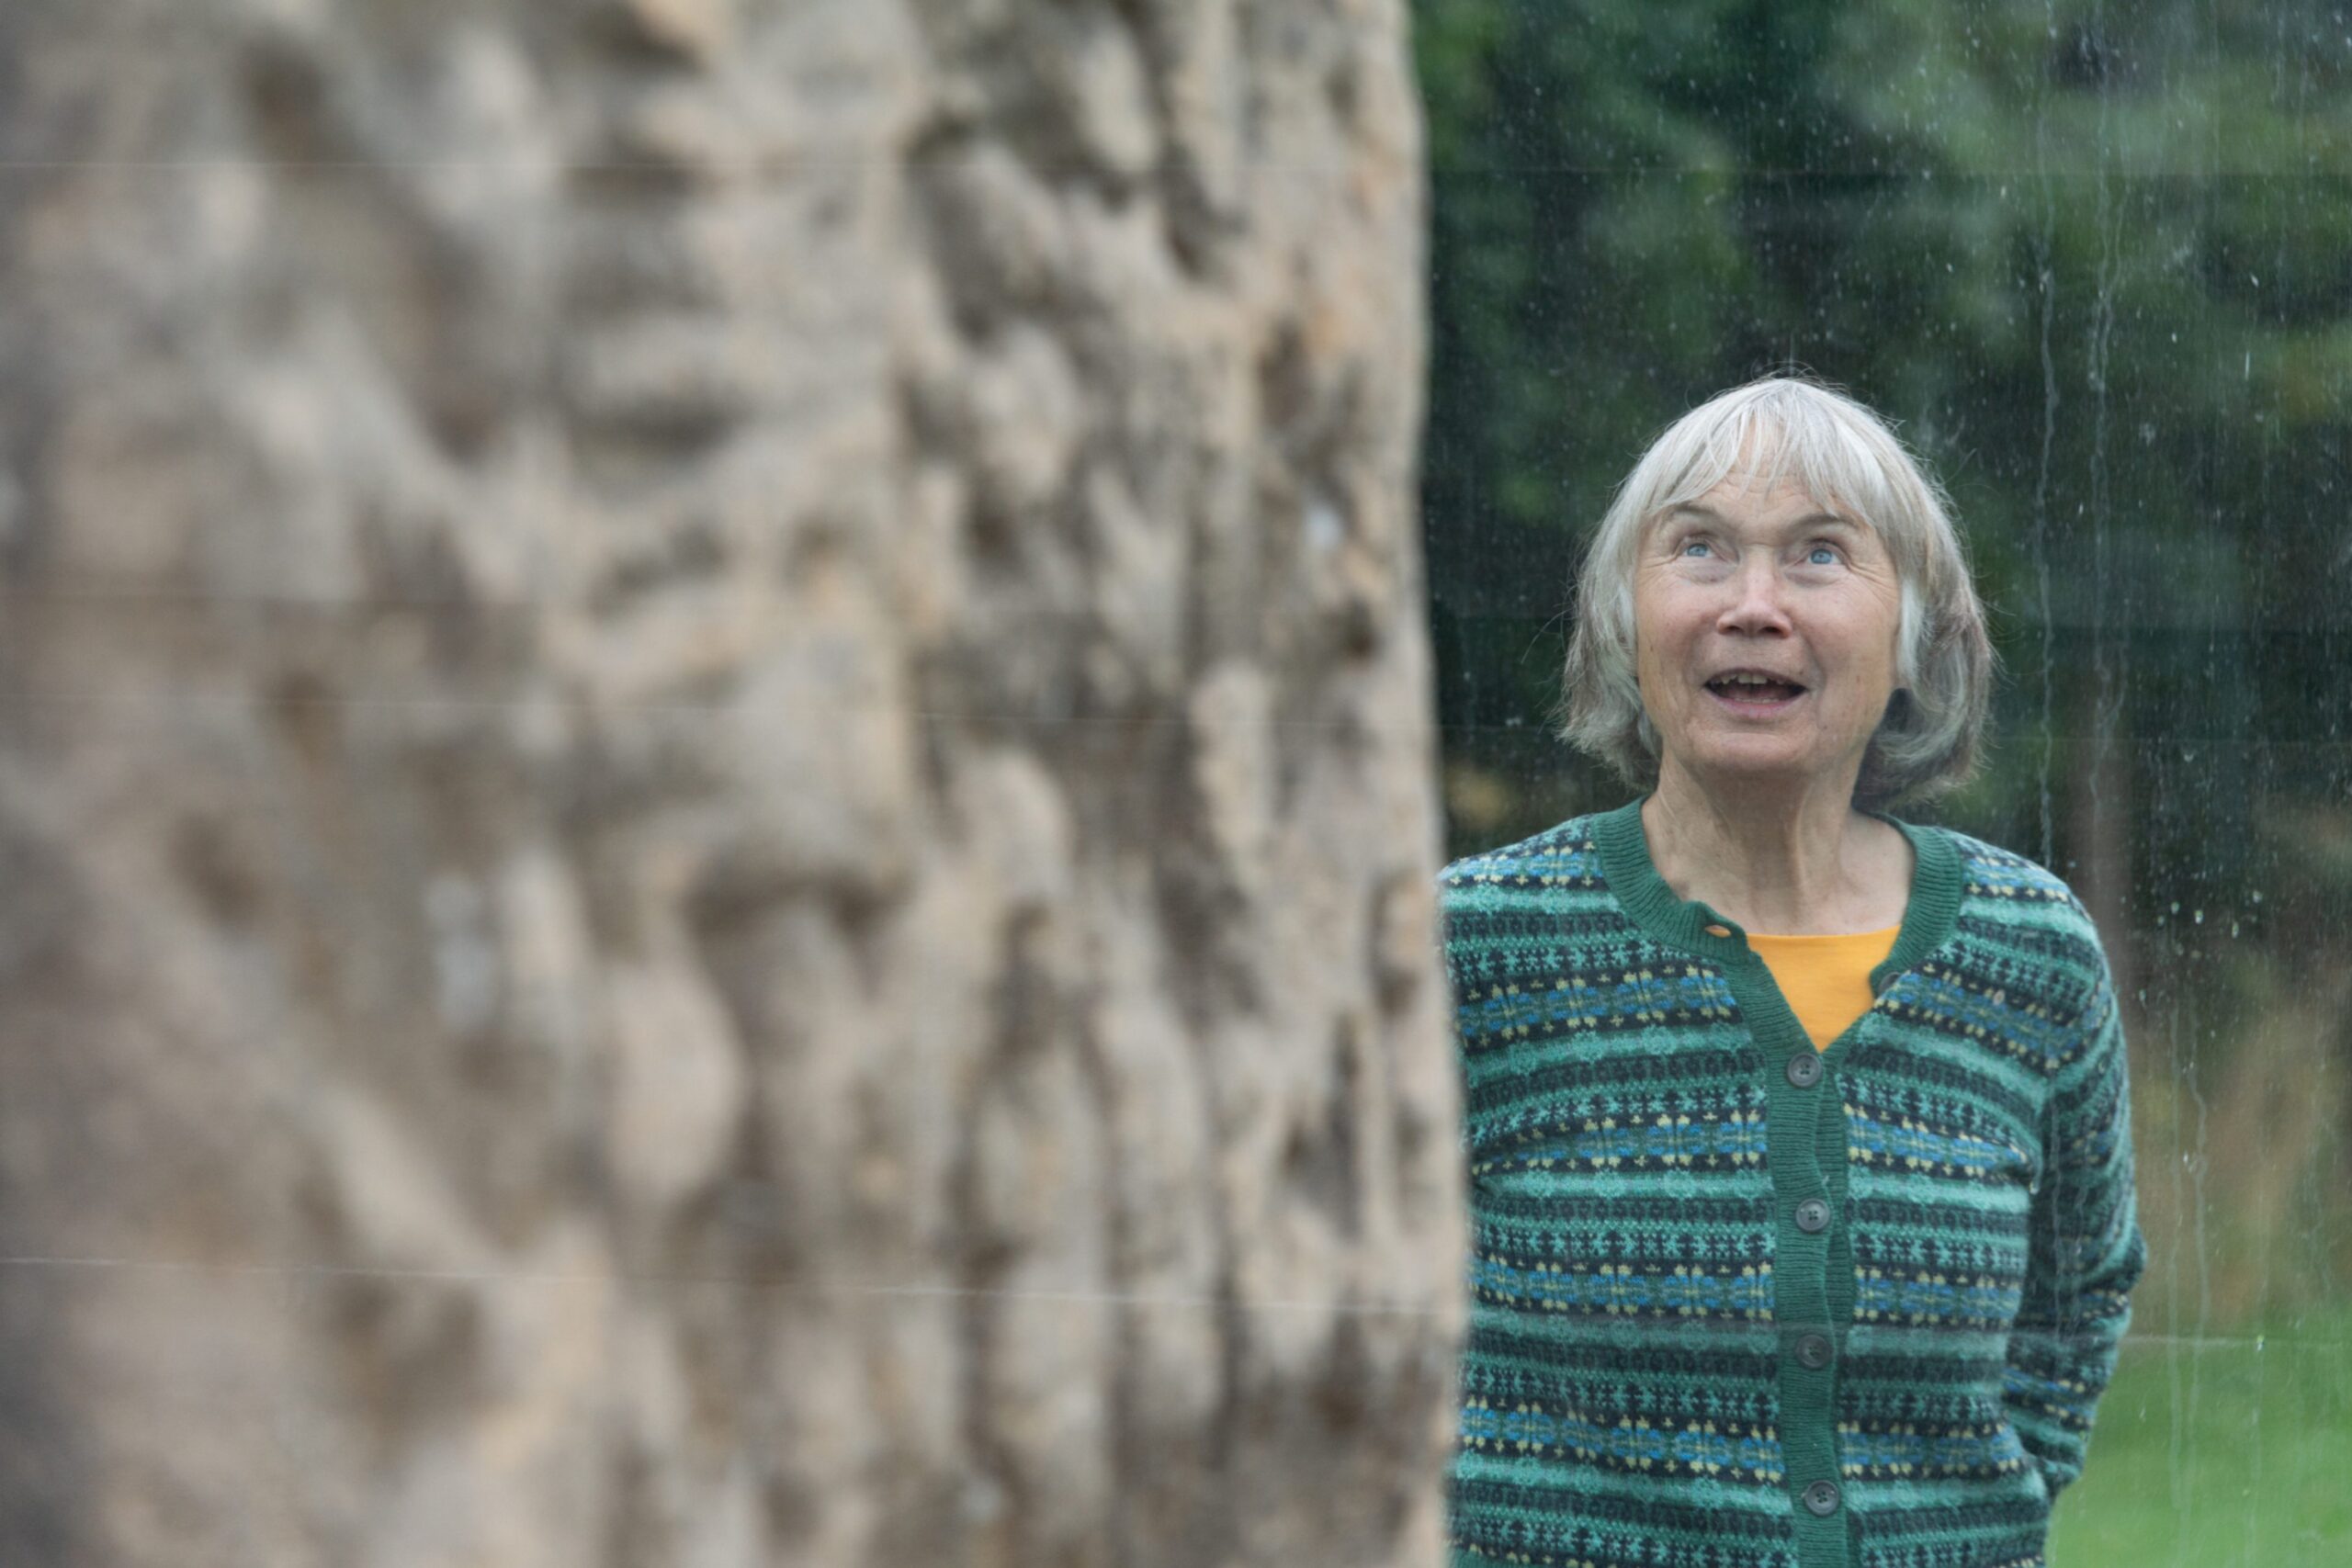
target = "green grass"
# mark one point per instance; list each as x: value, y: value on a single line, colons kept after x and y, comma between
x: 2230, y: 1452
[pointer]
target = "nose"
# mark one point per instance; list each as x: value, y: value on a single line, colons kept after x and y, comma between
x: 1754, y: 604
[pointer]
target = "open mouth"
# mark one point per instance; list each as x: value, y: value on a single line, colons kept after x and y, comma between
x: 1748, y: 695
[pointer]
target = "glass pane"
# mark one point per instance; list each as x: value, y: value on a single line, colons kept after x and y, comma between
x: 2091, y: 263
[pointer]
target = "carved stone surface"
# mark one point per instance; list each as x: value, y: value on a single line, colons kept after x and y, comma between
x: 718, y: 785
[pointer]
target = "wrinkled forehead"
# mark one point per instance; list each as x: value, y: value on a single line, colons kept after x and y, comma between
x: 1746, y: 494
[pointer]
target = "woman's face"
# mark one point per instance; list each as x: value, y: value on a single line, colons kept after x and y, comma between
x: 1746, y: 581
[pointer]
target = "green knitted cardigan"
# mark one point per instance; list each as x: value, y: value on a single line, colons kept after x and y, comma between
x: 1738, y: 1303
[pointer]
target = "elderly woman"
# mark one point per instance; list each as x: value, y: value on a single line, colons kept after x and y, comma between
x: 1802, y: 1228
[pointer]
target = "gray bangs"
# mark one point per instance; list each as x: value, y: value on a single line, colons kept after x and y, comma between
x: 1774, y: 435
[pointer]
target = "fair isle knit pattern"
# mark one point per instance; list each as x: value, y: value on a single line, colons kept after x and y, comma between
x: 1738, y: 1303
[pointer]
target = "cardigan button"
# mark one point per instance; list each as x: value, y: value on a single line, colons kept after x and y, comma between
x: 1821, y: 1497
x: 1812, y: 1215
x: 1813, y: 1351
x: 1719, y: 931
x: 1804, y: 1068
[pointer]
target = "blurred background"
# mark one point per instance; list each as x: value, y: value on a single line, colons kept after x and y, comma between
x: 2096, y: 262
x: 725, y: 723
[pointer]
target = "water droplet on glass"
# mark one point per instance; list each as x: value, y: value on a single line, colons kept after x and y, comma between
x: 1325, y: 527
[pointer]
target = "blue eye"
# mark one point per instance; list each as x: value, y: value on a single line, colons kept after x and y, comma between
x: 1693, y: 545
x: 1822, y: 550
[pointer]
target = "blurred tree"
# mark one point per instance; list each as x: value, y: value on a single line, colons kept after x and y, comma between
x: 714, y: 781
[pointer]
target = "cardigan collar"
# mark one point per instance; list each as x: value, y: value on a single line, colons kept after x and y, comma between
x: 1927, y: 918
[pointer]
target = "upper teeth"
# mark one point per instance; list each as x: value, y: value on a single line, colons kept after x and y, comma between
x: 1753, y: 680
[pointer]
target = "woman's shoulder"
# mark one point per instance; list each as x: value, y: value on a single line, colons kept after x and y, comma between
x: 1988, y: 870
x: 1565, y: 851
x: 2001, y: 885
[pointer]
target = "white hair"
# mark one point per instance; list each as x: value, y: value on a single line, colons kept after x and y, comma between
x: 1849, y: 461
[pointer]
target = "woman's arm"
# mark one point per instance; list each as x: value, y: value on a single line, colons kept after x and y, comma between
x: 2086, y: 1251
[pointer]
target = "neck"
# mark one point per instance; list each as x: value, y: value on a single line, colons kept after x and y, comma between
x: 1798, y: 861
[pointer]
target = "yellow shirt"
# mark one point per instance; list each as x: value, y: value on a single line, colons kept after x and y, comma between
x: 1826, y: 979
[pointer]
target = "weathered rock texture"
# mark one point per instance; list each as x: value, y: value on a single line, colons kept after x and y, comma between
x: 717, y: 787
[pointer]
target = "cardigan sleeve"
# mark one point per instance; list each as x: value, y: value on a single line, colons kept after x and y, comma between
x: 2085, y: 1250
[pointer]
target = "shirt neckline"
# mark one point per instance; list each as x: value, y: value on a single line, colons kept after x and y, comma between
x: 1927, y: 918
x: 1880, y: 934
